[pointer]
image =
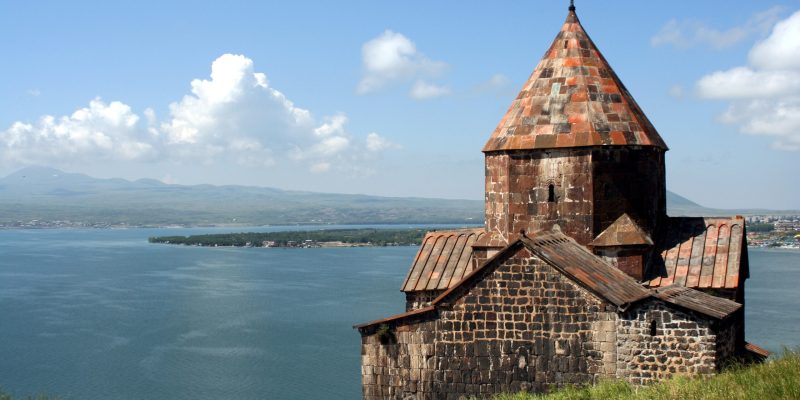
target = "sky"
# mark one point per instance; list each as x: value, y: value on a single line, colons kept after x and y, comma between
x: 385, y: 98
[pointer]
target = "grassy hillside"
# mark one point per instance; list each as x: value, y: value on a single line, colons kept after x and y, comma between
x: 776, y: 379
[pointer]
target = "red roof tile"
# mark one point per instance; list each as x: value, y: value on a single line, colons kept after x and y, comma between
x: 573, y: 99
x: 444, y: 257
x: 700, y: 253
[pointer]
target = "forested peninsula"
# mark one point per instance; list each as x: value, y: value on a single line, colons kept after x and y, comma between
x: 319, y: 238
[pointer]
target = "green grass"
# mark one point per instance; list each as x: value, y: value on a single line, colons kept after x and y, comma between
x: 775, y: 379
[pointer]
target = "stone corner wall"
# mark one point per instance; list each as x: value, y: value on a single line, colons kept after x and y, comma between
x: 398, y: 364
x: 658, y: 341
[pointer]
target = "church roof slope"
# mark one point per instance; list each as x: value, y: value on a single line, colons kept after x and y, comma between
x: 700, y: 253
x: 575, y: 261
x: 623, y: 232
x: 573, y: 99
x: 443, y: 259
x: 580, y: 265
x: 696, y: 300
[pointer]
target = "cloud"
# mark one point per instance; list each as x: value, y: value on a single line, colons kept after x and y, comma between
x: 764, y: 95
x: 690, y: 33
x: 391, y: 58
x: 781, y: 50
x: 377, y: 143
x: 34, y: 92
x: 745, y: 82
x: 101, y: 130
x: 234, y: 116
x: 424, y: 90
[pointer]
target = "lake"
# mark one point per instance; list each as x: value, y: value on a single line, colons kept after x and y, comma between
x: 102, y: 314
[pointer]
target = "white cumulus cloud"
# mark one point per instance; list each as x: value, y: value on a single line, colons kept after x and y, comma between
x: 391, y: 57
x: 234, y: 116
x: 101, y: 130
x: 764, y: 95
x: 691, y: 33
x: 746, y: 82
x: 781, y: 50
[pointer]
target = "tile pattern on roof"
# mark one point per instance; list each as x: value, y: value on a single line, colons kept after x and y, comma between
x: 573, y: 99
x: 699, y: 253
x: 623, y: 232
x: 574, y: 260
x: 695, y: 300
x: 443, y: 259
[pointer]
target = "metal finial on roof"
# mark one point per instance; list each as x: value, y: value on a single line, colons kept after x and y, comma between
x: 572, y: 5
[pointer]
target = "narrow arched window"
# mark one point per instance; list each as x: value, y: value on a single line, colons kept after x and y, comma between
x: 653, y: 328
x: 551, y: 194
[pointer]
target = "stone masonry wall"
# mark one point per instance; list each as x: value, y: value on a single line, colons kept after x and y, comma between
x: 592, y: 188
x: 523, y: 326
x: 628, y: 180
x: 730, y: 339
x: 628, y: 260
x: 517, y: 192
x: 416, y: 300
x: 399, y: 364
x: 682, y: 343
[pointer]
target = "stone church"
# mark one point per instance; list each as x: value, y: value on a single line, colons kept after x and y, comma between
x: 578, y: 273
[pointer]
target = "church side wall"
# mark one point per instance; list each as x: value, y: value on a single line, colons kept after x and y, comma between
x: 524, y: 326
x: 658, y: 341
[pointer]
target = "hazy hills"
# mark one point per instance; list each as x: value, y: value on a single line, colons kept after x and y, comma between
x: 46, y: 194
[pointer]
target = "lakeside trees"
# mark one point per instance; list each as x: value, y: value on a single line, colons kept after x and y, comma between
x: 367, y: 236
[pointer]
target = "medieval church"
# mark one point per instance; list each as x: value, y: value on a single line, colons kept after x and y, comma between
x: 578, y: 273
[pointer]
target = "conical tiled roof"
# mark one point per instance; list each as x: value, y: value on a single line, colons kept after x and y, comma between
x: 573, y: 99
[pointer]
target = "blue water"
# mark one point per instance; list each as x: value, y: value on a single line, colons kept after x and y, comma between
x: 102, y: 314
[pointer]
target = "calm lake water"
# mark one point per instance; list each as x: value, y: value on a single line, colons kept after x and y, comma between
x: 102, y: 314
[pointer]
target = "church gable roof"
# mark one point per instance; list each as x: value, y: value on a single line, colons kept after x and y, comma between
x: 700, y: 253
x: 443, y: 259
x: 581, y: 266
x: 623, y: 232
x: 592, y: 272
x: 573, y: 99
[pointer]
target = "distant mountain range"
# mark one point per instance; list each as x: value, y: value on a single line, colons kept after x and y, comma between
x: 49, y: 195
